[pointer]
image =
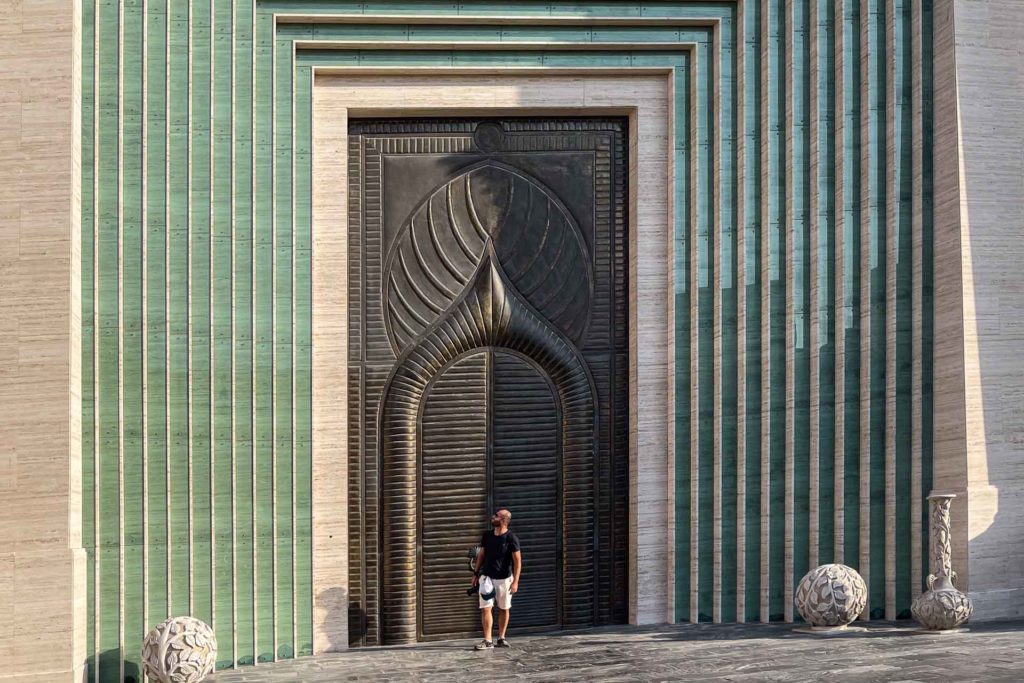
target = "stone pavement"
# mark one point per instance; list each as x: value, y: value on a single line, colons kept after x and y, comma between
x: 984, y: 652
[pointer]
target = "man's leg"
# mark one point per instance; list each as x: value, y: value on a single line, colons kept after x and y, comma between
x: 503, y: 615
x: 487, y: 621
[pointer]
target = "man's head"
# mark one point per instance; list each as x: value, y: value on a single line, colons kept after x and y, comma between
x: 501, y: 518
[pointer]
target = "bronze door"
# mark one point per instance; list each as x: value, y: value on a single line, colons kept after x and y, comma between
x: 488, y: 368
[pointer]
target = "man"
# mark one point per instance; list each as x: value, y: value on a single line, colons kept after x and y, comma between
x: 500, y: 560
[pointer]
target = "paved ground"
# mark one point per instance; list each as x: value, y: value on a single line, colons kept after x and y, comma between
x: 986, y: 652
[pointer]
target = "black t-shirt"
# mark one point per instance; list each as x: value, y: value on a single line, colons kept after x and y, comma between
x: 498, y: 554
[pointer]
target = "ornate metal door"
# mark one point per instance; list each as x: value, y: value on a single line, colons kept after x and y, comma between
x: 488, y: 366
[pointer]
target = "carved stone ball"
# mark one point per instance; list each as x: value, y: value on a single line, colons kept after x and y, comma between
x: 179, y: 650
x: 831, y: 596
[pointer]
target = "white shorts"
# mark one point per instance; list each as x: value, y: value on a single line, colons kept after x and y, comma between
x: 502, y: 594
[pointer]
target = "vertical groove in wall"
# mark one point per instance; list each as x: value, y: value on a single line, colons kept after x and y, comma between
x: 89, y: 327
x: 814, y: 240
x: 790, y: 246
x: 229, y: 343
x: 774, y: 451
x: 765, y: 320
x: 155, y: 336
x: 800, y: 296
x: 891, y: 246
x: 704, y: 323
x: 728, y: 199
x: 899, y: 310
x: 694, y: 345
x: 851, y: 283
x: 303, y: 364
x: 242, y: 348
x: 873, y: 269
x: 122, y: 358
x: 927, y: 266
x: 201, y: 318
x: 823, y: 191
x: 741, y: 352
x: 189, y: 319
x: 263, y: 341
x: 108, y: 518
x: 917, y: 216
x: 682, y: 281
x: 221, y: 326
x: 839, y: 323
x: 750, y: 311
x: 715, y: 265
x: 144, y: 313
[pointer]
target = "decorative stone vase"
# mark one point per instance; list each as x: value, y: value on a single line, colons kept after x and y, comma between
x: 179, y: 650
x: 942, y: 607
x: 830, y: 597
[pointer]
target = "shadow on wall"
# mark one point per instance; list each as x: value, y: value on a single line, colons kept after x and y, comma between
x: 110, y: 660
x: 340, y: 616
x: 991, y: 234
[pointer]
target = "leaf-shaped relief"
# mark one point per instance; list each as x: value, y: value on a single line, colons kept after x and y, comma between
x: 439, y: 247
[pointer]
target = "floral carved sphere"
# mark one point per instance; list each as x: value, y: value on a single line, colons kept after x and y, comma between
x: 179, y: 650
x: 831, y: 596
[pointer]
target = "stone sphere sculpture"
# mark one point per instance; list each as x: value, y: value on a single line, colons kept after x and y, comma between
x: 179, y: 650
x: 831, y: 596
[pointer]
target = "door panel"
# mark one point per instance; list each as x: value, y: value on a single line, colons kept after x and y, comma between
x: 488, y: 347
x: 453, y: 494
x: 525, y: 479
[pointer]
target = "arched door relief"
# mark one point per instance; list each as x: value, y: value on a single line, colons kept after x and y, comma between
x: 488, y: 265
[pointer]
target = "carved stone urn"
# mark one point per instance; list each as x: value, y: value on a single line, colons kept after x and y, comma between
x: 830, y: 597
x: 179, y: 650
x: 942, y: 607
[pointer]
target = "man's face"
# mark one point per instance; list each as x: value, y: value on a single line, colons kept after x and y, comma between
x: 497, y: 518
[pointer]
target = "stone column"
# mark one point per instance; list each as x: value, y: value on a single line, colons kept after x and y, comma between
x: 42, y: 565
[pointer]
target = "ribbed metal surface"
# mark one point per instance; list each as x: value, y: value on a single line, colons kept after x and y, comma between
x: 515, y: 247
x: 526, y: 479
x: 453, y: 494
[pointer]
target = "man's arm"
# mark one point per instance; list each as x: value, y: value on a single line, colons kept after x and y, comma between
x: 517, y: 562
x: 479, y: 563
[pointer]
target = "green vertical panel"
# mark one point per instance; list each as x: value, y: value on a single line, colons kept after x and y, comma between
x: 824, y: 222
x: 927, y: 268
x: 776, y: 254
x: 850, y: 401
x: 263, y: 352
x: 131, y: 351
x: 726, y: 80
x: 242, y: 341
x: 108, y: 339
x: 681, y: 280
x: 799, y: 292
x: 876, y: 206
x: 199, y: 312
x: 705, y: 333
x: 88, y: 327
x: 156, y: 309
x: 177, y: 313
x: 904, y: 315
x: 283, y: 352
x: 303, y: 362
x: 222, y: 175
x: 752, y: 282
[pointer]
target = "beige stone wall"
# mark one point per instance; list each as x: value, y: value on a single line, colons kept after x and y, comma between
x: 41, y: 563
x: 990, y: 97
x: 645, y: 96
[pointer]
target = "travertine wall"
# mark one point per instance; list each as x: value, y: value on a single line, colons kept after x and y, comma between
x: 980, y: 294
x: 41, y: 562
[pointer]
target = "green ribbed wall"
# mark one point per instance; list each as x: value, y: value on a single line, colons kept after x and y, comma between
x: 802, y: 276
